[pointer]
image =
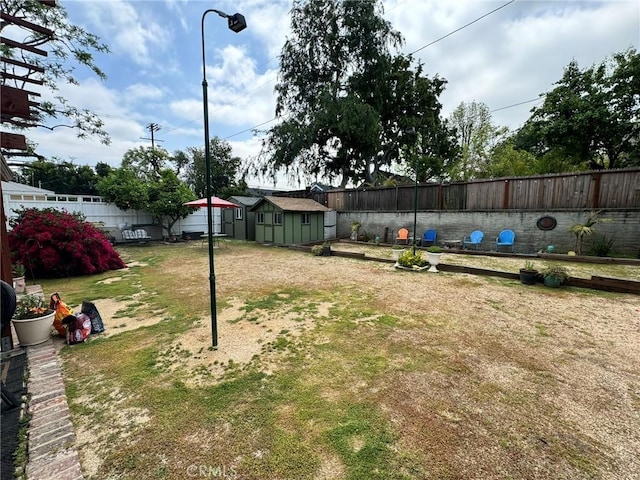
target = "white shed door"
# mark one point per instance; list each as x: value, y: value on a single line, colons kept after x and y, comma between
x: 330, y: 228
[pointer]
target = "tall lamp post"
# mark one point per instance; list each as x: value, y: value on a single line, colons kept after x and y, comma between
x: 415, y: 209
x: 237, y: 23
x: 414, y: 136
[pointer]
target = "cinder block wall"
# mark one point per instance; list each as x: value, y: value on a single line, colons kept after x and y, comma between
x: 624, y: 227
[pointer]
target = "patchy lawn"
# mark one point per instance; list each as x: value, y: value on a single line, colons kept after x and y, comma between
x: 335, y: 368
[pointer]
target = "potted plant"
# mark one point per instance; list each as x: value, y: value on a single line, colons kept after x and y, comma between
x: 433, y: 255
x: 316, y: 250
x: 528, y: 273
x: 554, y: 275
x: 32, y: 320
x: 326, y: 249
x: 19, y: 283
x: 410, y: 261
x: 355, y: 227
x: 396, y: 252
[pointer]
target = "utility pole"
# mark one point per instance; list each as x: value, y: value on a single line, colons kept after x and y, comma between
x: 152, y: 127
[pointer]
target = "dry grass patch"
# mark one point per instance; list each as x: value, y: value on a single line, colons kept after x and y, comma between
x: 348, y: 369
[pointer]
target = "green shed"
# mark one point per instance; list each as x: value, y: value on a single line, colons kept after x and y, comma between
x: 240, y: 223
x: 288, y: 221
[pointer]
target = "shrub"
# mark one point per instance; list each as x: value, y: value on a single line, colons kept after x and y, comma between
x: 408, y: 259
x: 56, y: 244
x: 586, y: 229
x: 601, y: 246
x: 555, y: 270
x: 18, y: 270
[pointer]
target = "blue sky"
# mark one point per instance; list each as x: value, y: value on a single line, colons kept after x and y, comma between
x: 155, y: 66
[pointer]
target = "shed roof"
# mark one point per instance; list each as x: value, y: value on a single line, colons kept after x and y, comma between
x: 294, y: 204
x: 21, y: 188
x: 244, y: 200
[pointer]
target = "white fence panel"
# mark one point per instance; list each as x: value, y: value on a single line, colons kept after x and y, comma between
x: 17, y: 197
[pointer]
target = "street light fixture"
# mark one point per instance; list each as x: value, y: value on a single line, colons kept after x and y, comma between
x: 237, y: 23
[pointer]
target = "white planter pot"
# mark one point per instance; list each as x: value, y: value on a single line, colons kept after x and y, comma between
x: 397, y: 253
x: 33, y: 331
x: 19, y: 284
x: 434, y: 260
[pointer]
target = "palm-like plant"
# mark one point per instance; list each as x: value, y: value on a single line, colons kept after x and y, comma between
x: 586, y: 229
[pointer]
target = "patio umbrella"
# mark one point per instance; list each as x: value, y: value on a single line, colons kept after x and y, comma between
x: 216, y: 202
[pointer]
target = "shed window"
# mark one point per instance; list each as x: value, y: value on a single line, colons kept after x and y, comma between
x: 277, y: 218
x: 238, y: 214
x: 260, y: 217
x: 306, y: 219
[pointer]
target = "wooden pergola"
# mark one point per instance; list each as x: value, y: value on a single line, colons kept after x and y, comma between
x: 16, y: 108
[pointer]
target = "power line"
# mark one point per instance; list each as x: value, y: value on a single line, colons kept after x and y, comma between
x: 517, y: 104
x: 249, y: 129
x: 462, y: 27
x: 271, y: 79
x: 230, y: 102
x: 415, y: 51
x: 153, y: 127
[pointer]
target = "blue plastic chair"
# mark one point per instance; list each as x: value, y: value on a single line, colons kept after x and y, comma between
x: 473, y: 240
x: 428, y: 238
x: 506, y: 238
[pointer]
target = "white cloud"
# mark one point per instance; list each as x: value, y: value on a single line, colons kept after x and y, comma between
x: 269, y: 21
x: 143, y: 91
x: 237, y: 94
x: 186, y: 109
x: 516, y: 53
x: 128, y: 33
x: 155, y: 67
x: 177, y: 7
x: 124, y: 127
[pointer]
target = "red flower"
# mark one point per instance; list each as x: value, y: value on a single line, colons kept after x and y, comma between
x: 54, y: 243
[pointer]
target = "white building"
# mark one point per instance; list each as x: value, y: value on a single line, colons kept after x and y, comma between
x: 17, y: 196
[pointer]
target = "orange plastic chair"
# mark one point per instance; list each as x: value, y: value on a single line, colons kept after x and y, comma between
x: 403, y: 236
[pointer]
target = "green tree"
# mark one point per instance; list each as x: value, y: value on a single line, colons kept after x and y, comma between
x: 124, y: 188
x: 591, y: 117
x: 85, y: 181
x: 146, y: 182
x: 68, y: 42
x: 477, y: 136
x: 586, y: 229
x: 166, y: 198
x: 60, y: 176
x: 103, y: 169
x: 225, y: 170
x: 506, y: 161
x: 343, y: 99
x: 406, y: 100
x: 147, y: 162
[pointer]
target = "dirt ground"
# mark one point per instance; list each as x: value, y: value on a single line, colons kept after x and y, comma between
x: 238, y: 342
x: 588, y: 368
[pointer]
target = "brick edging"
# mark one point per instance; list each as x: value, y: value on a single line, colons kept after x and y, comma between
x: 52, y: 454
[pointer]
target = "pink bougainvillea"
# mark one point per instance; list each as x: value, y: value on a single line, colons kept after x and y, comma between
x: 52, y: 243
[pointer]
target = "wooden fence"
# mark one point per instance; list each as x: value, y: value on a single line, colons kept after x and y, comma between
x: 586, y: 190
